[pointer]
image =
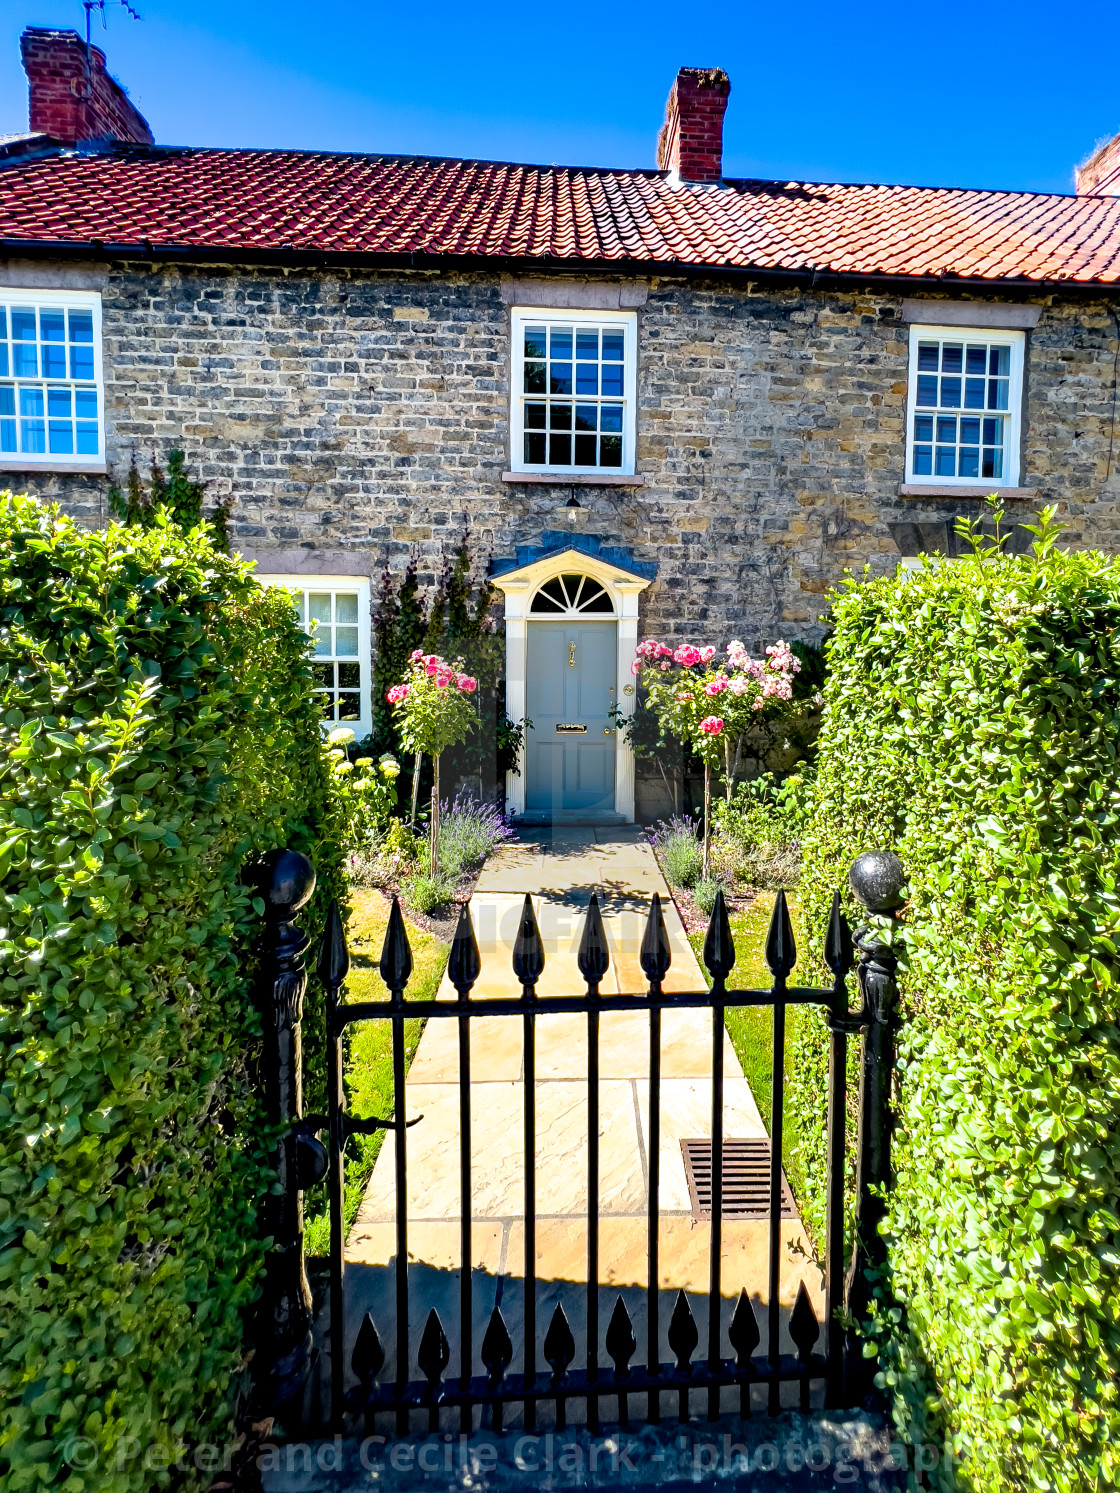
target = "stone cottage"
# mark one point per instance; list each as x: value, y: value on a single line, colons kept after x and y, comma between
x: 668, y: 402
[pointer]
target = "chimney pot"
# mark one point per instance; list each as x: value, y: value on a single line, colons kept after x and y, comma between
x: 690, y: 144
x: 72, y: 96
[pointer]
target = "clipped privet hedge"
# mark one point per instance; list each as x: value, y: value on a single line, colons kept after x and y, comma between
x: 972, y: 724
x: 156, y: 730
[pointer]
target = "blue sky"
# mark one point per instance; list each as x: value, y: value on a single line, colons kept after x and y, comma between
x: 997, y: 95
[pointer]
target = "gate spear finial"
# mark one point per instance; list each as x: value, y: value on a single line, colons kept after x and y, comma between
x: 781, y: 951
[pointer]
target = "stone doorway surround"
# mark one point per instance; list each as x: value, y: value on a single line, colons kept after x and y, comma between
x: 624, y: 579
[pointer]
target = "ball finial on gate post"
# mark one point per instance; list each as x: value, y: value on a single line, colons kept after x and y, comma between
x: 876, y: 879
x: 286, y: 880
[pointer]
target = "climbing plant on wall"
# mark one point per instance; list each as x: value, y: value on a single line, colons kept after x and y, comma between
x: 174, y: 493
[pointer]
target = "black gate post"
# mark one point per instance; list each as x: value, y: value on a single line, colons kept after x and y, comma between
x: 876, y: 878
x: 283, y: 1337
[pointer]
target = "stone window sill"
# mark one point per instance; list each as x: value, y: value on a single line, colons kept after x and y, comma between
x: 932, y: 490
x: 559, y: 479
x: 70, y: 467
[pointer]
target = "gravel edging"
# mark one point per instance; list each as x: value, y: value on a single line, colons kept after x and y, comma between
x: 441, y: 927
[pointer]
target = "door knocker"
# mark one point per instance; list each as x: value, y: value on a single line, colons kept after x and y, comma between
x: 571, y: 655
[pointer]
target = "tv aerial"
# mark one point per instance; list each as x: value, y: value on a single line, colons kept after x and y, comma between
x: 89, y: 6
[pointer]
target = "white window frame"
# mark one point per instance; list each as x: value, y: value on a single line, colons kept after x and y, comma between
x: 59, y: 300
x: 523, y: 316
x: 348, y: 583
x: 1013, y: 415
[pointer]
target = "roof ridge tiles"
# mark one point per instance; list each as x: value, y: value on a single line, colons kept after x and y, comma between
x: 123, y: 149
x: 221, y: 201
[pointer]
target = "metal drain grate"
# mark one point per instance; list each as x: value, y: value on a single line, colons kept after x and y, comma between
x: 746, y: 1179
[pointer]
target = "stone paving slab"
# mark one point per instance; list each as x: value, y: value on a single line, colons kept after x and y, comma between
x: 497, y: 1148
x: 683, y: 1248
x: 497, y: 1050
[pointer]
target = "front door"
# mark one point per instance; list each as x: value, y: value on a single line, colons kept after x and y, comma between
x: 570, y: 688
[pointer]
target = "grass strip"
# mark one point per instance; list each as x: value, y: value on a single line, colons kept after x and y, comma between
x: 369, y: 1062
x: 751, y: 1028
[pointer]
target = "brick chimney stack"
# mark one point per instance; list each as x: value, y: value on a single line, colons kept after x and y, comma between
x: 72, y: 96
x: 690, y: 144
x: 1100, y: 175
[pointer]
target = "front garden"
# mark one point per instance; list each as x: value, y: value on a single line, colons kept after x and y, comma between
x: 159, y: 734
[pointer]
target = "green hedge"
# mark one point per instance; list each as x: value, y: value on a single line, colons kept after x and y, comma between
x: 972, y: 723
x: 156, y: 729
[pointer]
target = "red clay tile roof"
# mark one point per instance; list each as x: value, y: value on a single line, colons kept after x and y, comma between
x: 261, y: 201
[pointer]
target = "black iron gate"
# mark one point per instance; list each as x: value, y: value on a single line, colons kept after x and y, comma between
x: 505, y: 1377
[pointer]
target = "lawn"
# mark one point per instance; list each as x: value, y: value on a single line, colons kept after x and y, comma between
x: 751, y: 1027
x: 369, y: 1061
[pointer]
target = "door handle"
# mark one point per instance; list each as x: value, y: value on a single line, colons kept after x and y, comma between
x: 606, y: 730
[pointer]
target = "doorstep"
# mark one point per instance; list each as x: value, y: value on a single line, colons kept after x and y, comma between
x: 590, y: 817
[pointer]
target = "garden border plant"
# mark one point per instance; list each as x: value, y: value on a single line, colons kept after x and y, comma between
x: 157, y: 728
x: 684, y: 691
x: 972, y: 724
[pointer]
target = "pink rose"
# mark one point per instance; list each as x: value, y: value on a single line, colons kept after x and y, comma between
x: 665, y: 665
x: 663, y: 652
x: 416, y: 655
x: 716, y: 686
x: 780, y: 656
x: 739, y: 686
x: 686, y: 655
x: 707, y: 654
x: 636, y: 667
x: 466, y: 683
x: 442, y: 681
x: 397, y: 693
x: 711, y: 725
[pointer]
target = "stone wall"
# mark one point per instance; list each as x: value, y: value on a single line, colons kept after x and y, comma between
x: 368, y: 413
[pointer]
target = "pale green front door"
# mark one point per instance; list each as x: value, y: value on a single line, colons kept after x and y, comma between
x: 570, y: 688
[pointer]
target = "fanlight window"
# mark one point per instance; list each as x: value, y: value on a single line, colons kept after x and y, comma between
x: 572, y: 594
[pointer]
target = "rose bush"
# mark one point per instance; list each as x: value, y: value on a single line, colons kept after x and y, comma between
x: 712, y: 706
x: 433, y: 710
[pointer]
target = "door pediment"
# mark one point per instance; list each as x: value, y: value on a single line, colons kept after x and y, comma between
x: 518, y: 584
x: 558, y: 551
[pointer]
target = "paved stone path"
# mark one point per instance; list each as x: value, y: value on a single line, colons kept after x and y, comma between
x: 560, y: 870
